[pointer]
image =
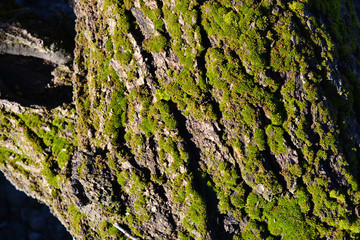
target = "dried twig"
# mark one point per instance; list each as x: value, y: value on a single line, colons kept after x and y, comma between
x: 126, y: 233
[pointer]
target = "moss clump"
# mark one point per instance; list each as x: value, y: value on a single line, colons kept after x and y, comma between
x: 276, y: 139
x: 156, y: 44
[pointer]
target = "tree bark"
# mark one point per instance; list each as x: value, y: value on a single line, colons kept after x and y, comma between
x: 199, y: 120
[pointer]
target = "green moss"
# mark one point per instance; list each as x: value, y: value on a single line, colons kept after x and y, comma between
x: 248, y: 114
x: 168, y: 118
x: 338, y: 196
x: 172, y: 20
x: 286, y: 219
x: 253, y: 206
x: 62, y: 149
x: 34, y: 139
x: 109, y: 47
x: 48, y: 170
x: 107, y: 229
x: 253, y: 230
x: 156, y: 44
x: 76, y: 218
x: 140, y: 207
x: 238, y: 198
x: 124, y: 57
x: 276, y: 139
x: 117, y: 109
x: 123, y: 178
x: 260, y: 138
x: 154, y: 15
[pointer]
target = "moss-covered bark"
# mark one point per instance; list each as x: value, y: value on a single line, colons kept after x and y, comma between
x: 203, y: 120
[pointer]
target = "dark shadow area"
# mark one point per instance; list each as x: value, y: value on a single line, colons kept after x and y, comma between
x: 28, y: 81
x: 57, y: 17
x: 79, y: 192
x: 50, y: 10
x: 357, y: 8
x: 24, y: 218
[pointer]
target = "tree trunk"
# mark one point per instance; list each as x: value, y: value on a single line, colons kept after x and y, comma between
x: 197, y: 120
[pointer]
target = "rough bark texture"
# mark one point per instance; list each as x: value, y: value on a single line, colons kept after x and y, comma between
x: 196, y: 120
